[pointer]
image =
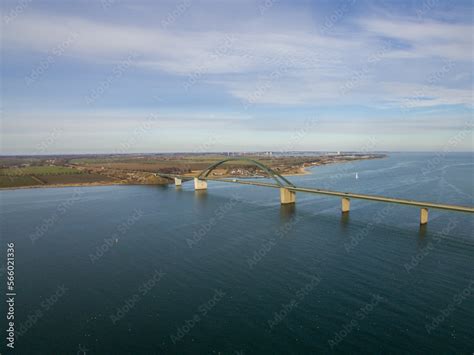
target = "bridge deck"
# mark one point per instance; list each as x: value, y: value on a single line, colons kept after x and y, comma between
x: 172, y: 176
x: 352, y: 195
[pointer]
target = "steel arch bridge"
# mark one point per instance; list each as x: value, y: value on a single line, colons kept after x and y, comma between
x: 280, y: 180
x: 288, y: 190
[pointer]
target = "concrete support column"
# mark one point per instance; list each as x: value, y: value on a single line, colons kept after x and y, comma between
x: 345, y: 205
x: 200, y: 184
x: 423, y: 216
x: 178, y: 181
x: 287, y: 196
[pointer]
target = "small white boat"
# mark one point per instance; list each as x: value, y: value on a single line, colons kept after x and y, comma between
x: 357, y: 176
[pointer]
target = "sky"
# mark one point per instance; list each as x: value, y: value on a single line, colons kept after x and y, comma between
x: 118, y: 76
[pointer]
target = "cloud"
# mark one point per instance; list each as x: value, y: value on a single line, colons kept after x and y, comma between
x: 425, y: 39
x: 180, y: 52
x: 115, y: 120
x: 262, y: 65
x: 418, y: 95
x: 256, y: 65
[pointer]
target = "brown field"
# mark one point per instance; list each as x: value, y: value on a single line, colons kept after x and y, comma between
x: 192, y: 164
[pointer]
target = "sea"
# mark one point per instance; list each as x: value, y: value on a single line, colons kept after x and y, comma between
x: 165, y: 270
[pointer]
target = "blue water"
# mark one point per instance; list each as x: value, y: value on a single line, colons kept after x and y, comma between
x: 156, y: 270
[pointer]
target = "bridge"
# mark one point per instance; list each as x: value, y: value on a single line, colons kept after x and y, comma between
x: 288, y: 190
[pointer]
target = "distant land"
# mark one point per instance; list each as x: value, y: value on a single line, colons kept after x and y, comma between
x: 132, y: 169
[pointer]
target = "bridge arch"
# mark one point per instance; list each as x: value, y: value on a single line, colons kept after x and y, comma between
x: 280, y: 180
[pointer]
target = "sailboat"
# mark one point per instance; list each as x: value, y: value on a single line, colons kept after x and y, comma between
x: 357, y: 176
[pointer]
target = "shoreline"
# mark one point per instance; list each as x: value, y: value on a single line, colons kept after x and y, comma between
x: 65, y: 185
x: 302, y: 171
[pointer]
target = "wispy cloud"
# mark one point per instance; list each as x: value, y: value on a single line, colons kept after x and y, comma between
x: 245, y: 64
x: 425, y: 39
x: 308, y: 55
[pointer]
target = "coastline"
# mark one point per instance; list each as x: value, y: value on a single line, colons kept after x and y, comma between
x: 112, y: 183
x: 301, y: 172
x: 91, y: 184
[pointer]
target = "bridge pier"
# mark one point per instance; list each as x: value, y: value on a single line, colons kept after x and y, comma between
x: 200, y: 184
x: 178, y: 181
x: 423, y: 216
x: 345, y: 205
x: 287, y: 196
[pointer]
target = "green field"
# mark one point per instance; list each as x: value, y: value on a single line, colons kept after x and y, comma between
x: 38, y: 170
x: 17, y: 181
x: 73, y: 179
x: 42, y: 175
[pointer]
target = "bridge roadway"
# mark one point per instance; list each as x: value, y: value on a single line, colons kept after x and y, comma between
x: 288, y: 190
x: 399, y: 201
